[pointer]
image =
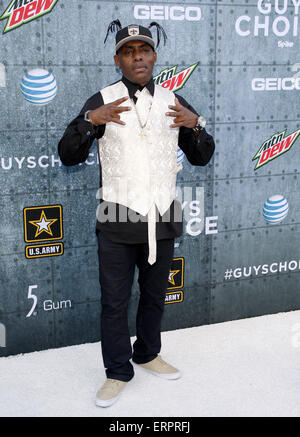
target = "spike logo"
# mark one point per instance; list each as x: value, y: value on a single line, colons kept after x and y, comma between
x: 168, y: 78
x: 275, y: 146
x: 22, y: 11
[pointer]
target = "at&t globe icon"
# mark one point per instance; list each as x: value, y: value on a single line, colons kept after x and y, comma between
x: 180, y: 156
x: 39, y: 87
x: 275, y: 209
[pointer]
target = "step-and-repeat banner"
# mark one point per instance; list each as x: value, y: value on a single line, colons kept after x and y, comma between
x: 238, y: 65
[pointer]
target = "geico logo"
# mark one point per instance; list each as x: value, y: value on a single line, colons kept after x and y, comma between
x: 155, y: 12
x: 275, y: 83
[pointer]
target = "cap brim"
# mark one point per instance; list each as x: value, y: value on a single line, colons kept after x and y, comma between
x: 144, y: 38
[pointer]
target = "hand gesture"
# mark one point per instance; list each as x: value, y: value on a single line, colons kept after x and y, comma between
x: 109, y: 112
x: 182, y: 116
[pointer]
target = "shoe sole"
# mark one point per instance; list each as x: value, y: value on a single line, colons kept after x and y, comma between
x: 106, y: 403
x: 176, y: 375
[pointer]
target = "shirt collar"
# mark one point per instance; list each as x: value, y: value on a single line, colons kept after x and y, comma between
x: 133, y: 87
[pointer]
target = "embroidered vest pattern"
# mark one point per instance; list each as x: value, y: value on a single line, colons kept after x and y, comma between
x: 139, y: 169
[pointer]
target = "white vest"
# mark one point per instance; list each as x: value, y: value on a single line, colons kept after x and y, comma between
x: 139, y: 166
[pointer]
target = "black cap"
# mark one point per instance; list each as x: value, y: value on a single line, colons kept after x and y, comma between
x: 134, y: 32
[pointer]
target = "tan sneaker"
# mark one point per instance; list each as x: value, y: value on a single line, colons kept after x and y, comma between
x: 160, y: 368
x: 110, y: 392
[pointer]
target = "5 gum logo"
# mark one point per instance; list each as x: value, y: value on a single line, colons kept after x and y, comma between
x: 34, y: 299
x: 21, y: 12
x: 48, y: 305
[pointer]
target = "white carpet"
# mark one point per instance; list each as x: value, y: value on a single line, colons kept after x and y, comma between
x: 248, y: 367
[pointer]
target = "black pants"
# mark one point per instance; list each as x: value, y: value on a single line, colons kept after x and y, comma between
x: 117, y: 263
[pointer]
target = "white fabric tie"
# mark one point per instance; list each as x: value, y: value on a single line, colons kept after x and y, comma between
x: 152, y: 235
x: 143, y: 104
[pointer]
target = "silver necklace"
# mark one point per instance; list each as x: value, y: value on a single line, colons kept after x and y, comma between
x: 142, y: 126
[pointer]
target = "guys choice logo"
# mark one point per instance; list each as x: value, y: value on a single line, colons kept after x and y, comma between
x: 20, y: 12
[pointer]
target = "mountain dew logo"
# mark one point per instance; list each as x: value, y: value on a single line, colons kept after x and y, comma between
x: 168, y: 78
x: 22, y: 11
x: 275, y: 146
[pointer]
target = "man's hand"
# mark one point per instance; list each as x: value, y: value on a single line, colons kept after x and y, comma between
x: 109, y: 112
x: 182, y: 116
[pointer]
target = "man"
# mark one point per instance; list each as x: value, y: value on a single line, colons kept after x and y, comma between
x: 138, y: 126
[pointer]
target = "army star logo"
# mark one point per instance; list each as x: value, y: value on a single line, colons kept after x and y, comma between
x: 43, y: 225
x: 172, y: 273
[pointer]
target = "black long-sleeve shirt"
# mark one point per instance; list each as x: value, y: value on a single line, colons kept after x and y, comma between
x: 73, y: 149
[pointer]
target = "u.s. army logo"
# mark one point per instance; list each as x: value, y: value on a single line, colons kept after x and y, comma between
x: 175, y: 281
x: 43, y: 223
x: 176, y: 274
